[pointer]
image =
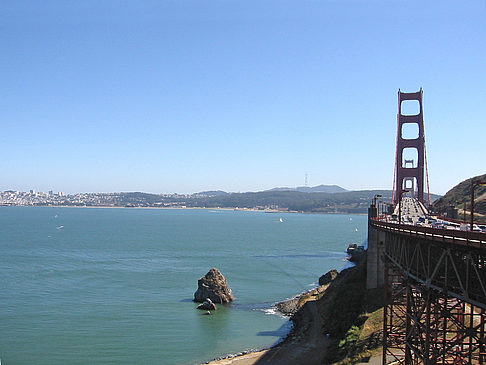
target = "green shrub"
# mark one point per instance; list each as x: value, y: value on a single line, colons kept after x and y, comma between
x: 349, y: 339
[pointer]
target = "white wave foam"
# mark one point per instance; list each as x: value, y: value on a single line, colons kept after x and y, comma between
x: 273, y: 311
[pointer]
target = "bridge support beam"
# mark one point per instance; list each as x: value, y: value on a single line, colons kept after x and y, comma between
x: 428, y: 327
x: 435, y: 299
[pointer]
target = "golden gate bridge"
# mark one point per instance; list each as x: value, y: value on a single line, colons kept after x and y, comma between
x: 434, y: 278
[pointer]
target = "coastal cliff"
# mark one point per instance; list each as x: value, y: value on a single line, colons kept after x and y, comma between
x: 325, y: 316
x: 335, y: 322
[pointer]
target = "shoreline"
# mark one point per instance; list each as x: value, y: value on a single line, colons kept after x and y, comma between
x: 273, y: 211
x: 305, y: 331
x: 322, y: 318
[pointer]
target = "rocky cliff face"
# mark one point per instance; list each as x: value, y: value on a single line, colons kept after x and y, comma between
x: 215, y: 287
x: 328, y: 277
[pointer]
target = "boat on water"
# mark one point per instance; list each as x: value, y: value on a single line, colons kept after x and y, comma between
x: 354, y: 248
x: 351, y: 248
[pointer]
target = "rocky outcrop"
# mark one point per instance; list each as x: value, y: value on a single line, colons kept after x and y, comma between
x: 213, y: 286
x: 328, y: 277
x: 207, y: 305
x: 291, y: 306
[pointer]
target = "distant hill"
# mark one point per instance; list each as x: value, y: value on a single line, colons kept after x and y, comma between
x: 209, y: 193
x: 460, y: 196
x: 321, y: 189
x: 318, y: 199
x: 331, y: 189
x: 335, y: 200
x: 292, y: 200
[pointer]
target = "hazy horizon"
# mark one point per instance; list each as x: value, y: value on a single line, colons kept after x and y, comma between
x: 192, y: 192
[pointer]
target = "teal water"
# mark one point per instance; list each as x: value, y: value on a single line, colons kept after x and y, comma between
x: 114, y: 286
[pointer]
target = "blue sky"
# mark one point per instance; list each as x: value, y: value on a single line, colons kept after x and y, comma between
x: 185, y: 96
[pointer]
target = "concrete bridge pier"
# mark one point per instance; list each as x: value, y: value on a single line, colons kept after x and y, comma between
x: 376, y: 247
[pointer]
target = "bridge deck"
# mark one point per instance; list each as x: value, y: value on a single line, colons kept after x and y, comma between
x: 466, y: 238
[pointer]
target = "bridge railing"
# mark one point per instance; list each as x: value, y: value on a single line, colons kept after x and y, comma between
x: 466, y: 238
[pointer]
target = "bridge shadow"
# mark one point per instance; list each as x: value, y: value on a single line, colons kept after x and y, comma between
x: 281, y: 332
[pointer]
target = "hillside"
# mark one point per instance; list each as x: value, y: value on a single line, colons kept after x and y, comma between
x: 314, y: 189
x: 460, y: 197
x: 345, y: 202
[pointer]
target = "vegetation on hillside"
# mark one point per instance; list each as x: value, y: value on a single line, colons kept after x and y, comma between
x: 285, y: 200
x: 349, y: 202
x: 339, y: 322
x: 460, y: 197
x: 352, y: 317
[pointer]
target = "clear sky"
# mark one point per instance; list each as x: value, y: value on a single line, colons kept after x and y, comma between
x: 185, y: 96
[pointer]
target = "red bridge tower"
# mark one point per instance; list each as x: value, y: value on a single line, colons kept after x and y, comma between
x: 404, y: 174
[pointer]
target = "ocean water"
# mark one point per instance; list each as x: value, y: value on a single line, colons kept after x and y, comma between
x: 114, y: 286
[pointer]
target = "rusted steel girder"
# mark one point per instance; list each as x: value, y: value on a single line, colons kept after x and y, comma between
x: 455, y: 269
x: 424, y: 326
x: 435, y: 293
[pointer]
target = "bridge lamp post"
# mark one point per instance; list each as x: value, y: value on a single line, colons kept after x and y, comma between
x: 373, y: 211
x: 376, y: 197
x: 473, y: 185
x: 464, y: 209
x: 400, y: 205
x: 374, y: 202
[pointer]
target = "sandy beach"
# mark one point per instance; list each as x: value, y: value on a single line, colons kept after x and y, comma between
x: 246, y: 359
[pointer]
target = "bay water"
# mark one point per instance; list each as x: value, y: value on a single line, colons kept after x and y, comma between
x: 115, y: 286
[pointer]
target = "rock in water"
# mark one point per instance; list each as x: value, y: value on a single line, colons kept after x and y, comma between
x: 328, y: 277
x: 213, y: 286
x: 207, y: 305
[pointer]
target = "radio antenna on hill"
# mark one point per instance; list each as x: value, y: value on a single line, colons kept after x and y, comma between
x: 306, y: 184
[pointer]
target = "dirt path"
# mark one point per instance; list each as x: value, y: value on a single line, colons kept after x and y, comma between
x: 305, y: 345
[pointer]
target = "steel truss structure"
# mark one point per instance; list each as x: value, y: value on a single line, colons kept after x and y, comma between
x: 426, y: 326
x: 435, y: 295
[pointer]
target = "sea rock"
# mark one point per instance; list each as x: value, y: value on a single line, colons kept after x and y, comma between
x: 328, y: 277
x: 213, y: 286
x: 207, y: 305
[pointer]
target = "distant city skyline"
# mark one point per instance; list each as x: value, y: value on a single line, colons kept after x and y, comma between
x: 183, y: 97
x: 279, y: 187
x: 53, y: 192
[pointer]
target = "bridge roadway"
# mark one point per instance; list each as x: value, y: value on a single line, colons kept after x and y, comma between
x: 446, y: 260
x: 414, y: 212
